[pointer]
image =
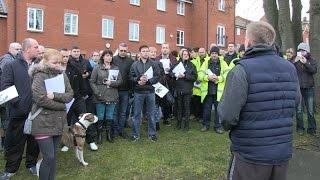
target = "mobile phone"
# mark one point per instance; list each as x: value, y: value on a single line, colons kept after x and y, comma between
x: 299, y: 54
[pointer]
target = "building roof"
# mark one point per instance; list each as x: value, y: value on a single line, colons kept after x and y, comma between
x: 3, y: 9
x: 241, y: 22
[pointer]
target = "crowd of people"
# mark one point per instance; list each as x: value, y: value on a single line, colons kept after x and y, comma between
x: 235, y: 87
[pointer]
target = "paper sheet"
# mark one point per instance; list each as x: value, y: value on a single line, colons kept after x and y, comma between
x: 149, y: 73
x: 160, y: 90
x: 55, y: 84
x: 113, y: 75
x: 8, y: 94
x: 68, y: 105
x: 179, y: 69
x: 166, y: 65
x: 209, y: 72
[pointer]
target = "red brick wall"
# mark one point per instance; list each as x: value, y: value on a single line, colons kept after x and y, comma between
x: 3, y: 36
x: 90, y: 16
x: 240, y: 38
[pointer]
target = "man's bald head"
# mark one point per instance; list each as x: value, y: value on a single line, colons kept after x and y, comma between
x: 14, y: 48
x: 30, y: 48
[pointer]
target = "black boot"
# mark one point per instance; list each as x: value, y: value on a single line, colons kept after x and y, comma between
x: 157, y: 126
x: 178, y: 124
x: 110, y: 135
x: 99, y: 132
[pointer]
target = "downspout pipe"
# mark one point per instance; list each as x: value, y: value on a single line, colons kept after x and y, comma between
x: 15, y: 20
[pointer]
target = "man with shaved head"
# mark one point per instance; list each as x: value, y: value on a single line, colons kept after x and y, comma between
x: 16, y: 73
x: 14, y: 49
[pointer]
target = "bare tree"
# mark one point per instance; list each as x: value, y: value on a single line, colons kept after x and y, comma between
x: 271, y: 13
x: 296, y: 22
x: 285, y: 25
x: 314, y: 37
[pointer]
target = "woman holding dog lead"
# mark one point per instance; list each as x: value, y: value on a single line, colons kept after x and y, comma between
x: 105, y: 80
x: 47, y: 126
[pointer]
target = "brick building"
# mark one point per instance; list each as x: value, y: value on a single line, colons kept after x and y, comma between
x: 93, y: 24
x: 240, y: 30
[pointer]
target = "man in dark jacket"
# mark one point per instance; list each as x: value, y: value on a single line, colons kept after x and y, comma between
x: 257, y: 107
x: 167, y: 80
x: 78, y: 73
x: 306, y: 68
x: 14, y: 49
x: 124, y: 64
x: 16, y: 73
x: 144, y: 92
x: 231, y: 54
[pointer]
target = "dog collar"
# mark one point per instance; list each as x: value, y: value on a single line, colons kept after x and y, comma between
x: 84, y: 127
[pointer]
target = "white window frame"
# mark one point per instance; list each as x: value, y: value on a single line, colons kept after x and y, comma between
x: 181, y: 8
x: 73, y: 30
x: 180, y: 37
x: 221, y: 5
x: 105, y: 30
x: 35, y: 11
x: 161, y: 5
x: 221, y: 36
x: 135, y: 27
x: 160, y: 34
x: 135, y: 2
x: 238, y: 31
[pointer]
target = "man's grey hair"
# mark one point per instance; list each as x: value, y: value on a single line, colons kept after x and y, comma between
x: 26, y: 43
x: 123, y: 45
x: 261, y: 32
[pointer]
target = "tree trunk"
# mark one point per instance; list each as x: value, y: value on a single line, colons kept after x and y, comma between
x: 314, y: 37
x: 296, y: 22
x: 271, y: 13
x: 285, y: 26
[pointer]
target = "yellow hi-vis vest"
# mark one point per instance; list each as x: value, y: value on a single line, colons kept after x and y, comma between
x: 197, y: 63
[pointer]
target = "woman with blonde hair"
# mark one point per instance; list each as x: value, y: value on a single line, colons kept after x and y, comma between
x: 47, y: 126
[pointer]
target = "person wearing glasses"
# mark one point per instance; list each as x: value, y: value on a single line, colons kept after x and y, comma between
x: 124, y: 64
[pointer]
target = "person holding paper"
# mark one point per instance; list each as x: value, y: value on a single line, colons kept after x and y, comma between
x: 183, y: 90
x: 166, y: 58
x: 144, y: 94
x: 211, y: 93
x: 106, y: 94
x: 48, y: 125
x: 16, y: 73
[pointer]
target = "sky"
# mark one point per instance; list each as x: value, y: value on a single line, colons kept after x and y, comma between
x: 253, y: 9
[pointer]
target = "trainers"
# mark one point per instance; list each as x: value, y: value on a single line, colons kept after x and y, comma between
x: 153, y: 138
x: 93, y: 146
x: 204, y: 128
x: 33, y: 170
x: 6, y: 175
x: 134, y: 138
x: 38, y: 166
x: 64, y: 149
x: 218, y: 130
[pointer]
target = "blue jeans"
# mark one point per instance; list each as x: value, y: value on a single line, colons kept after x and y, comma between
x: 207, y: 108
x: 139, y: 100
x: 308, y: 98
x: 120, y: 110
x: 105, y: 111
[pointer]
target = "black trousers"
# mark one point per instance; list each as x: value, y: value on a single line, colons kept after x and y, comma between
x: 183, y: 106
x: 15, y: 144
x: 197, y: 106
x: 240, y: 170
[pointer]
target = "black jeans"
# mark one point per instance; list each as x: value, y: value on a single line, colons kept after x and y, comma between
x: 207, y: 108
x: 90, y: 133
x: 197, y: 106
x: 183, y: 106
x: 15, y: 144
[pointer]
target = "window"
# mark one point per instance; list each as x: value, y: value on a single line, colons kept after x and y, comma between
x: 238, y: 31
x: 180, y: 38
x: 35, y: 19
x: 160, y: 35
x: 221, y: 36
x: 181, y: 8
x: 161, y: 5
x: 70, y: 24
x: 107, y: 28
x: 221, y: 5
x: 133, y: 31
x: 135, y: 2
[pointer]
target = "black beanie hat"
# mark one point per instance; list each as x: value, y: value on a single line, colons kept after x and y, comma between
x: 215, y: 49
x: 242, y: 48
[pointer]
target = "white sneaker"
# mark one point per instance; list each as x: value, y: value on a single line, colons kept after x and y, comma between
x: 93, y: 146
x: 38, y: 166
x: 64, y: 149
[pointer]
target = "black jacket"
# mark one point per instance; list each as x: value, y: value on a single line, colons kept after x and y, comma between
x: 228, y: 58
x: 124, y: 65
x: 306, y: 71
x: 16, y: 73
x: 137, y: 69
x: 185, y: 85
x: 74, y: 71
x: 215, y: 68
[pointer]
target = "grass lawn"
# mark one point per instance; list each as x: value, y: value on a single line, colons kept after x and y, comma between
x: 176, y: 155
